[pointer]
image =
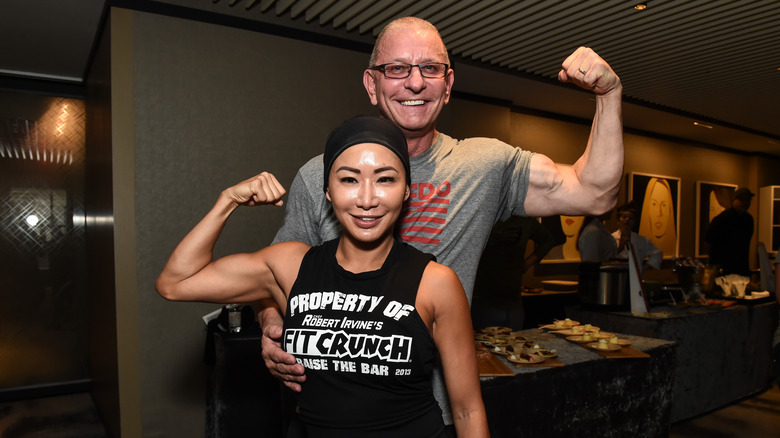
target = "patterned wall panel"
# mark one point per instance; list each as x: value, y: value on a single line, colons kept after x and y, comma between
x: 40, y: 206
x: 44, y: 335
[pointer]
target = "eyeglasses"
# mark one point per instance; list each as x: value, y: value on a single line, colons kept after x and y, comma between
x: 400, y: 70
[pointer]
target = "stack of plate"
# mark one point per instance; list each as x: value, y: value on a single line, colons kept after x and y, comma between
x: 559, y: 285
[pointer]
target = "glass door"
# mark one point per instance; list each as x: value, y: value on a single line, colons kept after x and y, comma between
x: 44, y: 338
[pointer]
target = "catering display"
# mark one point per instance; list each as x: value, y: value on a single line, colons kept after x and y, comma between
x: 589, y: 336
x: 514, y: 347
x: 500, y: 346
x: 702, y: 284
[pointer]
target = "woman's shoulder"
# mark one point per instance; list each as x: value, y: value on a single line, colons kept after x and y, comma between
x: 284, y: 258
x: 290, y: 246
x: 440, y: 279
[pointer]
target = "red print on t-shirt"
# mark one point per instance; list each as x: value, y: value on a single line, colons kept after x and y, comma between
x: 425, y: 213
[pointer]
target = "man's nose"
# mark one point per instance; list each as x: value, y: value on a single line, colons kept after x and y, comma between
x: 415, y: 80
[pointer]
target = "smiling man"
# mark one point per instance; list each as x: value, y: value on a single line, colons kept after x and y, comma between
x: 459, y: 188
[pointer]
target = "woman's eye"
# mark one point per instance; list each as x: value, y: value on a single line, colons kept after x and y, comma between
x: 387, y: 179
x: 347, y: 180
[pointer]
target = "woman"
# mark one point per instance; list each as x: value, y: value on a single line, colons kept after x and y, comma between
x: 657, y: 219
x: 364, y: 313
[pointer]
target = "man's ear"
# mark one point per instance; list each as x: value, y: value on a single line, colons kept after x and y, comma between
x: 369, y: 82
x: 450, y: 80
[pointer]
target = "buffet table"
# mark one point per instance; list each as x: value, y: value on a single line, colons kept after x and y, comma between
x: 586, y: 394
x: 723, y: 355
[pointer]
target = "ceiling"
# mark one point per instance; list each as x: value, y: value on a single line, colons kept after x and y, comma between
x: 714, y: 62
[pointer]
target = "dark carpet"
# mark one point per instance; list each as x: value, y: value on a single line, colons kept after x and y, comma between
x: 67, y: 416
x: 758, y: 416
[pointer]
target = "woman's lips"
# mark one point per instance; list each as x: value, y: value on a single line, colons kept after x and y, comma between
x: 366, y: 222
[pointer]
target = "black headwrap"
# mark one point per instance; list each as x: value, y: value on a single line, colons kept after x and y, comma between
x: 366, y: 129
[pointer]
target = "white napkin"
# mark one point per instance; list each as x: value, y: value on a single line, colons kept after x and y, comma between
x: 733, y: 284
x: 756, y: 295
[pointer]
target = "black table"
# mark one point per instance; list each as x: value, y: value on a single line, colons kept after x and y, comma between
x: 243, y: 398
x: 723, y: 355
x: 588, y: 396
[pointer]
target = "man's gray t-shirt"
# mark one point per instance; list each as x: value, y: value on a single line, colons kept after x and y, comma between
x: 460, y: 189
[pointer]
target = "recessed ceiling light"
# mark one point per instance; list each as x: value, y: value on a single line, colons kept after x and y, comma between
x: 640, y: 6
x: 702, y: 125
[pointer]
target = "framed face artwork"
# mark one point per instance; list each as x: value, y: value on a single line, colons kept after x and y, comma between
x: 658, y: 199
x: 711, y: 199
x: 565, y: 231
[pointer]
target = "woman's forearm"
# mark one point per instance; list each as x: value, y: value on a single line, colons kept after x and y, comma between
x: 471, y: 423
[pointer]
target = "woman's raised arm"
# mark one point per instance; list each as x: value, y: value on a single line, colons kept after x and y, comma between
x: 191, y: 274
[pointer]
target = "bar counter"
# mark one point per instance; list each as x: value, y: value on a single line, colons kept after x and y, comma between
x: 723, y: 354
x: 589, y: 395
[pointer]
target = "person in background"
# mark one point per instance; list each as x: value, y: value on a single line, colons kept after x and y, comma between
x: 364, y: 285
x: 647, y: 254
x: 497, y: 299
x: 460, y: 188
x: 729, y: 235
x: 596, y: 244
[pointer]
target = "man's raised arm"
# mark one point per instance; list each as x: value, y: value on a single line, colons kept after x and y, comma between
x: 590, y: 186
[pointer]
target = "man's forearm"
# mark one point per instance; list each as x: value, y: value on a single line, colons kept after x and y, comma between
x: 600, y: 168
x: 268, y: 314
